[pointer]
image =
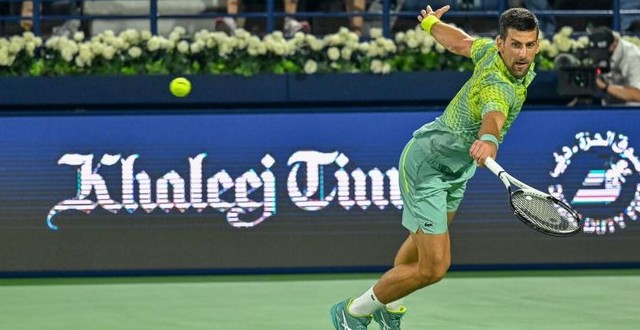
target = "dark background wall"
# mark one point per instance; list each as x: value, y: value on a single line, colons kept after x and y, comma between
x: 63, y: 184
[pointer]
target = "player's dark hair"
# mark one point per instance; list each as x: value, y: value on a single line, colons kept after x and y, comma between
x: 520, y: 19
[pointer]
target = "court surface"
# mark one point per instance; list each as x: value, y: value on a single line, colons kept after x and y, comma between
x: 604, y: 299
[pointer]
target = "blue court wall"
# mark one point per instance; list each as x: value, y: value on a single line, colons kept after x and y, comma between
x: 263, y: 91
x: 268, y: 177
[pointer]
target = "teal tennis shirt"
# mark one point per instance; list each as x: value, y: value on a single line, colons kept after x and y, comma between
x: 490, y: 88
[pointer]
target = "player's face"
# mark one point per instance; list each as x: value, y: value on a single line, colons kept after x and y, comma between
x: 518, y: 50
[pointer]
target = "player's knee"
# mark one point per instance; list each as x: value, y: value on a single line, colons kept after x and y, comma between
x: 433, y: 272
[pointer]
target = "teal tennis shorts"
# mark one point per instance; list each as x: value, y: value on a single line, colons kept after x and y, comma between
x: 429, y: 189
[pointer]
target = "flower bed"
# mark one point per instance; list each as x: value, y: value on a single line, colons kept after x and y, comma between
x: 135, y: 52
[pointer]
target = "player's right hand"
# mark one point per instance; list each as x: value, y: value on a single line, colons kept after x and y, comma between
x: 480, y: 150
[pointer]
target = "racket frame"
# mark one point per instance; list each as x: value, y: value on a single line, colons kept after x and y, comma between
x: 509, y: 181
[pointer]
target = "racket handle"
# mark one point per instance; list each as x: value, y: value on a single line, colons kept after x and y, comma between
x: 493, y: 166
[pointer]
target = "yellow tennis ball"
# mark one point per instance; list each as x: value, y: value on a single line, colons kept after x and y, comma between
x: 180, y: 87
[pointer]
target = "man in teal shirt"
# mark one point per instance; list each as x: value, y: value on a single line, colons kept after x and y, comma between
x: 443, y: 155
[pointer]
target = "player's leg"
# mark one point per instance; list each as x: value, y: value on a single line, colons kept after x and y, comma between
x: 425, y: 257
x: 424, y: 189
x: 408, y: 251
x: 407, y: 254
x: 413, y: 263
x: 434, y: 258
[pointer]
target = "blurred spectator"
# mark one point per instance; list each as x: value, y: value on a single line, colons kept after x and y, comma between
x: 547, y: 23
x: 356, y: 6
x: 395, y: 6
x: 291, y: 25
x: 67, y: 28
x: 581, y: 23
x: 622, y: 83
x: 630, y: 23
x: 27, y: 11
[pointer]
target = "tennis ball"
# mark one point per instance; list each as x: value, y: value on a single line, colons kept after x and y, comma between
x: 180, y: 87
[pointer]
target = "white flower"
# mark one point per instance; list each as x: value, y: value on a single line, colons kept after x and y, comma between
x: 118, y: 43
x: 544, y: 45
x: 387, y: 45
x: 183, y: 47
x: 386, y: 68
x: 277, y: 35
x: 67, y: 54
x: 79, y: 62
x: 96, y: 47
x: 16, y: 45
x: 346, y: 54
x: 242, y: 34
x: 30, y: 47
x: 52, y: 42
x: 376, y: 66
x: 85, y: 54
x: 180, y: 29
x: 310, y: 67
x: 174, y: 36
x: 364, y: 47
x: 563, y: 44
x: 375, y: 33
x: 153, y: 44
x: 278, y: 48
x: 566, y: 31
x: 197, y: 47
x: 108, y: 52
x: 440, y: 48
x: 583, y: 41
x: 78, y: 36
x: 333, y: 40
x: 224, y: 50
x: 134, y: 52
x: 412, y: 43
x: 4, y: 56
x: 315, y: 44
x: 333, y: 53
x: 353, y: 38
x: 28, y: 35
x: 299, y: 38
x: 373, y: 50
x: 145, y: 35
x: 130, y: 35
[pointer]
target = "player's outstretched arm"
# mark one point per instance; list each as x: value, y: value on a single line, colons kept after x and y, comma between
x: 452, y: 38
x: 488, y: 136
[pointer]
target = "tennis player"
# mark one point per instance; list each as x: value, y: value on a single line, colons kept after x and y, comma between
x: 442, y: 156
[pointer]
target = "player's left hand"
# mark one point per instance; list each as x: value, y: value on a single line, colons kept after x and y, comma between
x: 437, y: 13
x: 480, y: 150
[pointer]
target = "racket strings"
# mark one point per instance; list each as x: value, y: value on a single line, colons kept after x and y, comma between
x: 544, y: 213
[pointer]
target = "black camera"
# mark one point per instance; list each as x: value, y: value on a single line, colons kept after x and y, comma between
x: 577, y: 73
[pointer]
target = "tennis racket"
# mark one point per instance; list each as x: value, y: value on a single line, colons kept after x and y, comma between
x: 539, y: 210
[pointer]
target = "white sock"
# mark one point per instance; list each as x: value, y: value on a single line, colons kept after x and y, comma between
x: 395, y: 306
x: 365, y: 305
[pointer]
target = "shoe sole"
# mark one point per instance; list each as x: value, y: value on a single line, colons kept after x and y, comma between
x: 334, y: 314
